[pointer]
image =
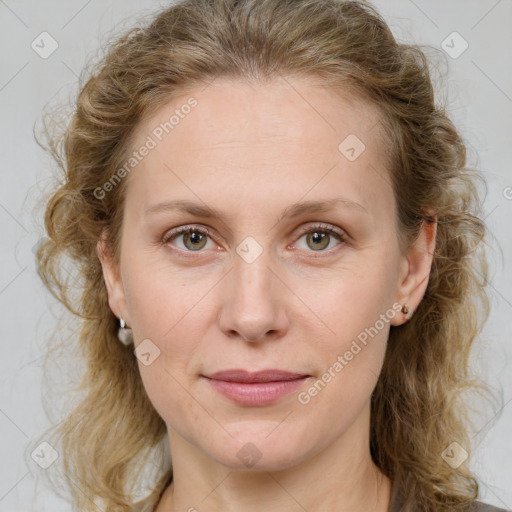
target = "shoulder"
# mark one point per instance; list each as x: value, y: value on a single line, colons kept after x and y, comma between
x: 398, y: 504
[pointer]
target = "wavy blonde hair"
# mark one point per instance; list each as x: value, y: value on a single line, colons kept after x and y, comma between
x: 418, y: 407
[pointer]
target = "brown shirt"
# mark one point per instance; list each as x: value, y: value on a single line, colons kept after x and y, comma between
x: 397, y: 503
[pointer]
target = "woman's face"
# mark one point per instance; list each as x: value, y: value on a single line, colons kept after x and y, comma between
x: 267, y: 287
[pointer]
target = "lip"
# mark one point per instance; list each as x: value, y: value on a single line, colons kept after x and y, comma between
x: 255, y: 388
x: 245, y: 376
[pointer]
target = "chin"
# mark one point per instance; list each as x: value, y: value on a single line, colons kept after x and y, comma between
x: 250, y: 458
x: 259, y: 447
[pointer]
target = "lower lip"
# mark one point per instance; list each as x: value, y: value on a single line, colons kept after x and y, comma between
x: 261, y: 393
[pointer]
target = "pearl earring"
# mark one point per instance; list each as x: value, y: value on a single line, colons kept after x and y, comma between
x: 124, y: 333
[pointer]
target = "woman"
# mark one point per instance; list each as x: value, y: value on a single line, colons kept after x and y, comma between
x: 277, y: 239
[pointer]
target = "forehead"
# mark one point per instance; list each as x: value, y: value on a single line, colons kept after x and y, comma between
x: 290, y: 134
x: 290, y: 107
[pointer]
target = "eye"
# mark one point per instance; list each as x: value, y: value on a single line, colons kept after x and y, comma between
x: 319, y: 236
x: 195, y: 238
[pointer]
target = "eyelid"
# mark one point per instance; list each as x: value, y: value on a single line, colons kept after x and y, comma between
x: 183, y: 229
x: 321, y: 226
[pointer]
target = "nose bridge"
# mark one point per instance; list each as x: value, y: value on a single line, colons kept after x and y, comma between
x: 251, y: 272
x: 252, y: 307
x: 252, y: 276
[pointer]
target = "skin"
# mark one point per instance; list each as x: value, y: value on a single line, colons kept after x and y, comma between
x: 251, y: 151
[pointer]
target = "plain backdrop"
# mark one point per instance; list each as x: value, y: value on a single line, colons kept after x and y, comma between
x: 479, y: 91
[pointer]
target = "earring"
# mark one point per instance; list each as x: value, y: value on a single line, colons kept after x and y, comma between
x: 124, y: 333
x: 405, y: 309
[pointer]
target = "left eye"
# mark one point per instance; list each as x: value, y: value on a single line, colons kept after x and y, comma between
x: 195, y: 238
x: 320, y: 236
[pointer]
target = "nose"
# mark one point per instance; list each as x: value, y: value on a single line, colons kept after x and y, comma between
x: 254, y: 301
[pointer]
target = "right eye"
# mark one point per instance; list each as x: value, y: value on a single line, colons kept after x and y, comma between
x: 194, y: 239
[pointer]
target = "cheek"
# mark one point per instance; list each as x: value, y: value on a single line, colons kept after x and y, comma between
x: 160, y: 297
x: 351, y: 362
x: 167, y: 311
x: 344, y: 300
x: 353, y: 313
x: 169, y: 391
x: 171, y: 308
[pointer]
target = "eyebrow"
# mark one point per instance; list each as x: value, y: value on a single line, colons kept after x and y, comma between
x: 292, y: 211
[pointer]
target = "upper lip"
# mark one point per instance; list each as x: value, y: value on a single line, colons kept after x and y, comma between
x: 239, y: 375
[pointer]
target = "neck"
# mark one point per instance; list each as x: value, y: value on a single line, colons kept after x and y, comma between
x: 341, y: 477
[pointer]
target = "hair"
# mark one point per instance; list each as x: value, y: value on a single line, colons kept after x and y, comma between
x: 418, y: 407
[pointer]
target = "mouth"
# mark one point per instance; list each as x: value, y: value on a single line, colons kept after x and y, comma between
x: 255, y: 388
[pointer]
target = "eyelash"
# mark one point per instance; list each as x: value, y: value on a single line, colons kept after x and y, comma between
x: 324, y: 228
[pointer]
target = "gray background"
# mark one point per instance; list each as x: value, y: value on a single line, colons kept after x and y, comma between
x: 479, y: 91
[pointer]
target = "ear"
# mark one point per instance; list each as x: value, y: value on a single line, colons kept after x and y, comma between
x: 415, y: 270
x: 113, y: 281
